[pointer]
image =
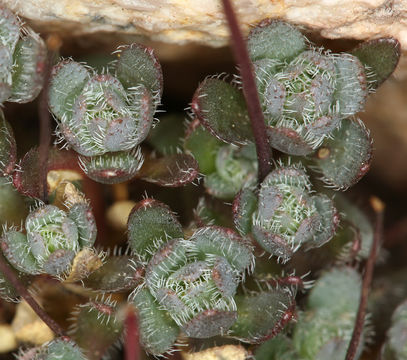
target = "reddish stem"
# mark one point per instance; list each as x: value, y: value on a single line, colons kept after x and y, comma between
x: 45, y: 132
x: 378, y: 207
x: 250, y: 92
x: 132, y: 343
x: 53, y: 45
x: 22, y: 291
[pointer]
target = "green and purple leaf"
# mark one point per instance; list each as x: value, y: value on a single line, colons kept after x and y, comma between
x: 112, y: 167
x: 151, y: 221
x: 345, y: 158
x: 276, y: 40
x: 137, y: 64
x: 380, y: 58
x: 118, y: 273
x: 244, y: 205
x: 27, y: 179
x: 263, y: 315
x: 170, y: 171
x: 221, y: 108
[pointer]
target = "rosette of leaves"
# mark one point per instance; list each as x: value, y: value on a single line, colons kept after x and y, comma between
x: 22, y: 60
x: 284, y: 215
x: 189, y: 283
x: 305, y: 92
x: 227, y: 167
x: 105, y: 117
x: 395, y: 347
x: 51, y: 238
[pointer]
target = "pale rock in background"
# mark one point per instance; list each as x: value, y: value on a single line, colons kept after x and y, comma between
x: 202, y: 21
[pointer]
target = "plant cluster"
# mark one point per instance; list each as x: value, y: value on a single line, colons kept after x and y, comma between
x: 228, y: 275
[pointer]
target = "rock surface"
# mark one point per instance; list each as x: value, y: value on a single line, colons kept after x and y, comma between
x: 202, y: 21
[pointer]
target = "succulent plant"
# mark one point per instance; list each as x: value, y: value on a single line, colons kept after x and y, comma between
x: 194, y: 276
x: 285, y: 216
x: 104, y: 117
x: 305, y: 92
x: 190, y: 283
x: 22, y: 60
x: 52, y: 238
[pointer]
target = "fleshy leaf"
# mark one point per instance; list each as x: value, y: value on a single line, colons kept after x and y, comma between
x: 151, y: 318
x: 286, y: 218
x: 326, y: 327
x: 272, y: 243
x: 209, y: 323
x: 329, y: 221
x: 244, y: 205
x: 224, y: 277
x: 262, y: 316
x: 95, y: 327
x: 380, y: 57
x: 341, y: 284
x: 28, y: 69
x: 225, y: 243
x: 62, y: 349
x: 351, y: 84
x: 137, y: 64
x: 171, y: 171
x: 81, y: 214
x: 236, y: 168
x: 222, y: 110
x: 118, y: 273
x: 6, y: 66
x: 28, y: 179
x: 9, y: 28
x: 68, y: 78
x: 13, y: 207
x: 151, y: 221
x: 345, y: 159
x: 113, y: 167
x: 14, y: 245
x: 288, y: 141
x: 170, y: 257
x: 275, y: 40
